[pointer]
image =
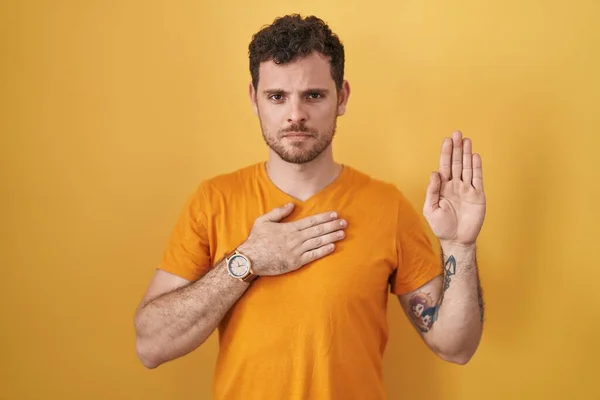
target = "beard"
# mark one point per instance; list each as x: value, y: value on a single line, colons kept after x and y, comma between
x: 302, y: 151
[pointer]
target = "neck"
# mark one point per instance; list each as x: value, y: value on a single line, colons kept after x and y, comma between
x: 302, y: 181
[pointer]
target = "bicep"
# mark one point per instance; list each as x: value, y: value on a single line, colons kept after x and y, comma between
x: 421, y: 305
x: 162, y: 282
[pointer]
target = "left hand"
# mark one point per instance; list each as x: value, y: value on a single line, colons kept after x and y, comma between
x: 455, y: 203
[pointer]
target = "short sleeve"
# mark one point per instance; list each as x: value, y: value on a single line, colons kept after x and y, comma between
x: 187, y: 252
x: 417, y: 261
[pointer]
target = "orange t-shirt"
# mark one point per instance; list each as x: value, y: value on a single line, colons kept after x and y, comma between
x: 318, y: 332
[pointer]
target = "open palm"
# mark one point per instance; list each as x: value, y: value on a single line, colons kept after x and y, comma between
x: 455, y: 202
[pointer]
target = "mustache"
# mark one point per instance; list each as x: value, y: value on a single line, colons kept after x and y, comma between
x: 297, y: 128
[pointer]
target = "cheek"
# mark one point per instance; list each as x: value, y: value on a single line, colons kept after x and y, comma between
x: 271, y: 117
x: 326, y: 112
x: 267, y: 122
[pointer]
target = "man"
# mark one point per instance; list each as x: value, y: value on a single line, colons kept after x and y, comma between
x: 292, y: 259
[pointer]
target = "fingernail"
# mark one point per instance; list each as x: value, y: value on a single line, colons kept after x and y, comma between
x: 343, y: 223
x: 333, y: 215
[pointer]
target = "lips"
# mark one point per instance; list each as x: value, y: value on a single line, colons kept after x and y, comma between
x: 297, y: 134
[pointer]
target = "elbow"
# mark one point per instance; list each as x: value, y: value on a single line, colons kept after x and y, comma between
x: 153, y: 351
x: 457, y: 354
x: 147, y: 357
x: 460, y: 350
x: 459, y: 358
x: 145, y: 350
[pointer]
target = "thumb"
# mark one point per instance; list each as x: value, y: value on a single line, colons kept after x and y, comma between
x: 279, y: 213
x: 432, y: 198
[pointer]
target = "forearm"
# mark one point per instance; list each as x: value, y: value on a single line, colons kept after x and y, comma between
x: 458, y: 325
x: 177, y: 322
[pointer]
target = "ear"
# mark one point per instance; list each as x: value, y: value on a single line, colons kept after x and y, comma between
x: 343, y: 96
x: 253, y: 100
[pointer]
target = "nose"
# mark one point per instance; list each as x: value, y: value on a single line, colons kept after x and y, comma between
x: 297, y: 113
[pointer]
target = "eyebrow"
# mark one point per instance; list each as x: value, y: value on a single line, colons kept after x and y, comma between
x: 304, y: 92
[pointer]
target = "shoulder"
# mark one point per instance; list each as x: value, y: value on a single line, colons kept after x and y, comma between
x: 388, y: 195
x: 229, y: 181
x: 376, y: 186
x: 214, y: 192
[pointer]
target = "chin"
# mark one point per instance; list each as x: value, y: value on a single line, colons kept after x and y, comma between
x: 298, y: 157
x: 300, y: 152
x: 298, y: 160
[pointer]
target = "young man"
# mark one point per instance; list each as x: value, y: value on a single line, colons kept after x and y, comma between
x: 292, y: 259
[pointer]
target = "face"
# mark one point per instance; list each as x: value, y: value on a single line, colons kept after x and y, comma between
x: 298, y: 105
x: 418, y: 309
x: 427, y: 320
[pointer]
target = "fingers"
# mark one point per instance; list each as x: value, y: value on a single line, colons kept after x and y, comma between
x: 319, y: 239
x: 322, y: 240
x: 315, y: 254
x: 467, y: 167
x: 279, y: 213
x: 313, y: 220
x: 323, y: 228
x: 432, y: 197
x: 446, y: 160
x: 477, y: 172
x: 457, y: 159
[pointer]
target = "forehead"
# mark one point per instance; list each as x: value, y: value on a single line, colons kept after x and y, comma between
x: 307, y: 72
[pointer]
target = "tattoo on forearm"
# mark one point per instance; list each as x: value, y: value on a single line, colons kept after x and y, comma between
x: 450, y: 270
x: 423, y: 311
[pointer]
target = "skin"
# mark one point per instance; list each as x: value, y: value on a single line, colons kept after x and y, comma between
x: 176, y: 315
x: 297, y: 105
x: 291, y: 97
x: 454, y: 207
x: 286, y: 102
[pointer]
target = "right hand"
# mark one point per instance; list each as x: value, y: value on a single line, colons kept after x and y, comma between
x: 276, y: 248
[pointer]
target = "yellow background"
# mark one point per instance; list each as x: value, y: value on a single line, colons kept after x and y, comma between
x: 112, y: 112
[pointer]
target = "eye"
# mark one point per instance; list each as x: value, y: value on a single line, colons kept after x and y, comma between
x: 315, y: 96
x: 276, y: 97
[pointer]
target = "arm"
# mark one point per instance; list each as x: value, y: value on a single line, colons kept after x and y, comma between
x: 176, y: 316
x: 452, y: 321
x: 448, y: 311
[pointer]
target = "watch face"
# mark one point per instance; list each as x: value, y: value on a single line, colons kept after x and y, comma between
x: 238, y: 266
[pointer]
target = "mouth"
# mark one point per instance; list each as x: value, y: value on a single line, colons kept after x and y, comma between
x: 297, y: 135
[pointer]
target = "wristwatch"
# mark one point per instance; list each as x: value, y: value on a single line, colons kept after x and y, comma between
x: 239, y: 266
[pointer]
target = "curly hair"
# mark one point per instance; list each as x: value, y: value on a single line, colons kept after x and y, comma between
x: 291, y: 37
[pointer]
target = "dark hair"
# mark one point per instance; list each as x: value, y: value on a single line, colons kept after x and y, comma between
x: 291, y: 37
